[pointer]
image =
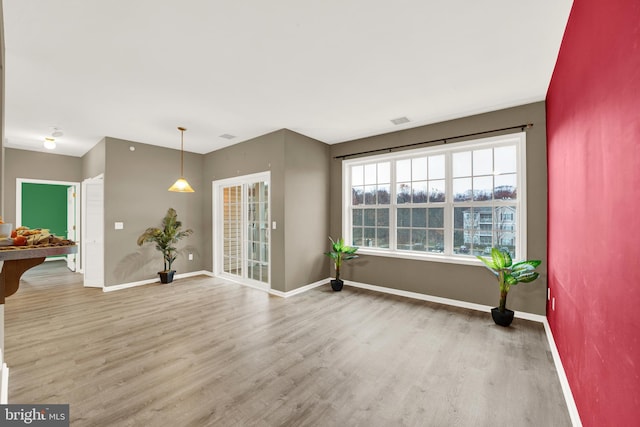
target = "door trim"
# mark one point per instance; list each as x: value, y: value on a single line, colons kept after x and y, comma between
x: 217, y: 234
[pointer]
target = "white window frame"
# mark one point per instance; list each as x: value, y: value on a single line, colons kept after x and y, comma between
x: 517, y: 139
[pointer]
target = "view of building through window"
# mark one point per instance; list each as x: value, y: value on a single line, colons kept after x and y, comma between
x: 458, y: 200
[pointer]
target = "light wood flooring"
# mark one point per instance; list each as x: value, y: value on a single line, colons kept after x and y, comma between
x: 201, y: 352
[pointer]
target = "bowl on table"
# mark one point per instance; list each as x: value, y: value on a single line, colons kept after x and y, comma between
x: 5, y: 230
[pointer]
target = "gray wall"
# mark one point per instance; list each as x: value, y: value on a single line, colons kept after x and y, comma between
x: 135, y: 192
x: 35, y: 165
x: 299, y: 200
x: 461, y: 282
x: 265, y: 153
x: 306, y: 209
x: 94, y: 160
x: 306, y: 188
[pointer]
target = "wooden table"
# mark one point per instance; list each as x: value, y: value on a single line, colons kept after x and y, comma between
x: 22, y: 258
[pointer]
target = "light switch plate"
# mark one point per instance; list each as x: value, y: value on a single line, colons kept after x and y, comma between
x: 119, y: 225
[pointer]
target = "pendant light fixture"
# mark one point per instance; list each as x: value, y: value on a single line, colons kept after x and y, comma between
x: 181, y: 185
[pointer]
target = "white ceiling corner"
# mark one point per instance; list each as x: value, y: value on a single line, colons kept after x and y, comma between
x: 331, y: 70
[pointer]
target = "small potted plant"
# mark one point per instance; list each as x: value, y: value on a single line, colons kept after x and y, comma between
x: 165, y: 239
x: 339, y: 253
x: 508, y: 274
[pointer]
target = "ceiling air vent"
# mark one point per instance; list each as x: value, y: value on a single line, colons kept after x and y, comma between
x: 400, y: 121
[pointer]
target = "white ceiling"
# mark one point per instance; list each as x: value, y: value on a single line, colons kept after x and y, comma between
x: 333, y: 70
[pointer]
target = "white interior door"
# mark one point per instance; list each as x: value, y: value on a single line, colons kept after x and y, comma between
x: 93, y: 233
x: 241, y: 230
x: 71, y: 225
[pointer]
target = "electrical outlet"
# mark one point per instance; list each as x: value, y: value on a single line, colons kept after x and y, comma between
x: 190, y: 257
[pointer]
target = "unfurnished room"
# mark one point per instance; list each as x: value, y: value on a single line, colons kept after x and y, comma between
x: 308, y: 213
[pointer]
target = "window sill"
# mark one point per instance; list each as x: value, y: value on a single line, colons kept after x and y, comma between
x: 431, y: 257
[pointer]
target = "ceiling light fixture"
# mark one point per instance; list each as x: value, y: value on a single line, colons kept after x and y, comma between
x: 49, y: 143
x: 181, y: 185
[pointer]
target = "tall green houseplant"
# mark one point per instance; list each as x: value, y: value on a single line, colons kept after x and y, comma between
x: 339, y: 253
x: 508, y: 274
x: 165, y: 238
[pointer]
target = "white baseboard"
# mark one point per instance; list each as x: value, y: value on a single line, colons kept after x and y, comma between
x: 4, y: 384
x: 150, y: 281
x: 440, y: 300
x: 4, y: 370
x: 562, y: 376
x: 299, y: 290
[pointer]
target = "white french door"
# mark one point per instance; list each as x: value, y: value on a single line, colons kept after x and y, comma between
x: 242, y: 239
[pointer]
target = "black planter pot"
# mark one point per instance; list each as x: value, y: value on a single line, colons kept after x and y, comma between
x: 166, y: 276
x: 336, y: 285
x: 502, y: 319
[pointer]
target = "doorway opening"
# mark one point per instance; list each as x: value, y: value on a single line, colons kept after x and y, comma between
x: 53, y: 205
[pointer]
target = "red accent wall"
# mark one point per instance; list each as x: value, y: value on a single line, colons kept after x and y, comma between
x: 593, y: 137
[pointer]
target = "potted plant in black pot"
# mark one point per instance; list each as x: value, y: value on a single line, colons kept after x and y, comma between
x: 508, y: 274
x: 339, y: 253
x: 165, y: 239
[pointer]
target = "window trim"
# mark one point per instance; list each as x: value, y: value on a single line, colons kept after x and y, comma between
x: 519, y: 139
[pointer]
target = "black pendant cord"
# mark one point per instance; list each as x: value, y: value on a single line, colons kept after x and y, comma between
x: 443, y: 140
x: 181, y: 154
x: 181, y: 129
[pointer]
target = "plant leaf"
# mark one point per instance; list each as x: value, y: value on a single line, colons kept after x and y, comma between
x: 490, y: 264
x: 332, y: 255
x: 509, y: 279
x: 507, y: 258
x: 498, y: 258
x: 527, y: 276
x: 533, y: 263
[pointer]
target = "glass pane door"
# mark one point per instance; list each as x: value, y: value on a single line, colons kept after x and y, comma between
x: 243, y: 229
x: 258, y: 231
x: 232, y: 230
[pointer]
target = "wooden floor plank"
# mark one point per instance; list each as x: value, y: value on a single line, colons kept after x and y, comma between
x: 204, y: 352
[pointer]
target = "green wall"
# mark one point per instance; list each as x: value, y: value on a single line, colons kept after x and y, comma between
x: 45, y: 206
